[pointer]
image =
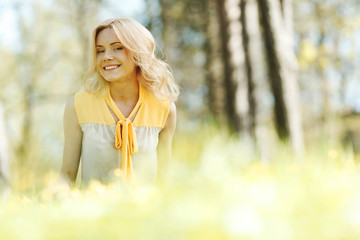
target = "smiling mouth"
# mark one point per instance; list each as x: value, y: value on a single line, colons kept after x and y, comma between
x: 112, y: 67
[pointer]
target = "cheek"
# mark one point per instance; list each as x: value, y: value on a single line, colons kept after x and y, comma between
x: 130, y: 57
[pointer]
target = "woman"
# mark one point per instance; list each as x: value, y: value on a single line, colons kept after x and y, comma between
x: 126, y: 116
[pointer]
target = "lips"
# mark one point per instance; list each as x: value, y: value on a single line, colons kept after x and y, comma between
x: 111, y: 67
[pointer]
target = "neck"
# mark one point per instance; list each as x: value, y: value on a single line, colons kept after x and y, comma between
x: 124, y: 91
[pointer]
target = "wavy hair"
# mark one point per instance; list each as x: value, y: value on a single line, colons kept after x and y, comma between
x: 152, y: 73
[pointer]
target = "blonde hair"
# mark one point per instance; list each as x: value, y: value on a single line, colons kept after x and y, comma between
x: 153, y: 73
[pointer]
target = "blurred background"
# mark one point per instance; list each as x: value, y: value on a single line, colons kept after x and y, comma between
x: 265, y: 73
x: 267, y: 139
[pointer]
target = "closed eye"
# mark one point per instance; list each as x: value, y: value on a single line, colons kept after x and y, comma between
x: 99, y: 51
x: 118, y: 48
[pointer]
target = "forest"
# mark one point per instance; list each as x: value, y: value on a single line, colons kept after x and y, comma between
x: 267, y: 144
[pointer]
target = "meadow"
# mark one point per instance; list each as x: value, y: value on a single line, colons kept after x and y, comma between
x: 214, y: 189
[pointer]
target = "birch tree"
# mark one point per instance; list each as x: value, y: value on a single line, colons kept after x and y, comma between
x: 236, y: 85
x: 275, y: 18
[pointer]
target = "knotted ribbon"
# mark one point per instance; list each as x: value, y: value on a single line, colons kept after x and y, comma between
x: 125, y: 140
x: 125, y: 136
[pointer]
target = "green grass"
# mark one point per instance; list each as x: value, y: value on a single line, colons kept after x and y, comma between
x: 214, y: 189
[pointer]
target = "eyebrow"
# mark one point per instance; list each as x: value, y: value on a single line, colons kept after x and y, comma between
x: 110, y: 44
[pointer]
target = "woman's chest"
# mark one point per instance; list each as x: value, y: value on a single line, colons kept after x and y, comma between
x: 102, y: 136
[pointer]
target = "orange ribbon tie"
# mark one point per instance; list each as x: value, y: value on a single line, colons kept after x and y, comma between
x: 125, y: 140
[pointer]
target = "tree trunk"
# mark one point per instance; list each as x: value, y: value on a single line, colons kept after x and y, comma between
x: 257, y: 85
x: 273, y: 67
x: 236, y: 86
x: 82, y: 13
x: 324, y: 85
x: 4, y: 160
x: 230, y: 86
x: 28, y: 82
x: 276, y: 20
x: 248, y: 68
x: 290, y: 75
x: 213, y: 65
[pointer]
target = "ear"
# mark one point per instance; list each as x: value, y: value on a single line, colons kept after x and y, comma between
x: 135, y: 58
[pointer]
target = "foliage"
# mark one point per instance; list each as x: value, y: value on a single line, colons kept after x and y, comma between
x: 221, y: 197
x: 326, y: 33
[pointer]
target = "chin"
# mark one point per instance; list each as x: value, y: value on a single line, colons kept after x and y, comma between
x: 110, y: 78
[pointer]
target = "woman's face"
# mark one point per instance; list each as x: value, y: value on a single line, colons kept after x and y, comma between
x: 113, y: 60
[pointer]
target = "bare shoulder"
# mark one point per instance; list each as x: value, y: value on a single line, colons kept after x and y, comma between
x: 70, y: 115
x: 70, y: 103
x: 172, y: 111
x: 170, y: 124
x: 70, y: 106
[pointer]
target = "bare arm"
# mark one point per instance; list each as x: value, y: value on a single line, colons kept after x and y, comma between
x: 72, y: 145
x: 165, y: 140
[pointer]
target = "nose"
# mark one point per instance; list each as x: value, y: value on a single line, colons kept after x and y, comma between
x: 107, y: 55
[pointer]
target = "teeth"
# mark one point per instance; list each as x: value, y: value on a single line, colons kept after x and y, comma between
x: 111, y: 67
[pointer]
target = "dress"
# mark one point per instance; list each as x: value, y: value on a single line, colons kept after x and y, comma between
x: 107, y: 141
